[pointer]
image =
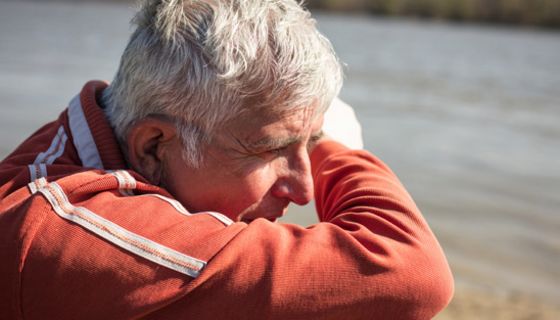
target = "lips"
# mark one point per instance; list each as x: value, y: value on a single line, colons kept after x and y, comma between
x: 270, y: 217
x: 269, y: 211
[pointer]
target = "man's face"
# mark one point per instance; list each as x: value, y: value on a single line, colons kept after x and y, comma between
x: 254, y: 167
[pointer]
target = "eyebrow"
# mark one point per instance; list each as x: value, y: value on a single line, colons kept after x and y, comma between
x: 269, y: 143
x: 273, y: 143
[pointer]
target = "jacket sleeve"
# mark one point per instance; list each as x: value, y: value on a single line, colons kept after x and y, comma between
x: 371, y: 256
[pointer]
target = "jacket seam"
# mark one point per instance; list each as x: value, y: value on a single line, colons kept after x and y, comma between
x: 20, y: 261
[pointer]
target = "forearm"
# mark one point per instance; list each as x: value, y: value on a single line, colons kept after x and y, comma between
x: 359, y: 193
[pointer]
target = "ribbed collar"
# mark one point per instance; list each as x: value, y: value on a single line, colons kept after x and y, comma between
x: 102, y: 133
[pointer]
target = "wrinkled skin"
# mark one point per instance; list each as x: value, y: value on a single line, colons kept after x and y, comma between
x: 254, y: 167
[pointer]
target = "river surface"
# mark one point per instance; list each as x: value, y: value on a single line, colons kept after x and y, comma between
x: 467, y: 116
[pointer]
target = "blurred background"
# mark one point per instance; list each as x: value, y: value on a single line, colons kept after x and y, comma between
x: 460, y: 97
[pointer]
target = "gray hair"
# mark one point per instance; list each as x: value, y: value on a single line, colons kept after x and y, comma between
x: 204, y: 63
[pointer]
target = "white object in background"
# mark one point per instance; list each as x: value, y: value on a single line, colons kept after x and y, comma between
x: 342, y: 125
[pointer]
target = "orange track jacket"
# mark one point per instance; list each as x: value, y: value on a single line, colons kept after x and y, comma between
x: 82, y: 237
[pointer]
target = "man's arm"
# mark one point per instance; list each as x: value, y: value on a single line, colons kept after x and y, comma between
x: 373, y: 255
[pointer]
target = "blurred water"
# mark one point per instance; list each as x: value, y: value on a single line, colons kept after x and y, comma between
x: 467, y: 116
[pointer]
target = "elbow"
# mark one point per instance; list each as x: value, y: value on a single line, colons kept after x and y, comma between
x: 422, y: 284
x: 439, y: 289
x: 416, y: 284
x: 433, y: 285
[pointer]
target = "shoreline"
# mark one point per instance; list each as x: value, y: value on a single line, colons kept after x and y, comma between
x: 545, y: 14
x: 507, y: 14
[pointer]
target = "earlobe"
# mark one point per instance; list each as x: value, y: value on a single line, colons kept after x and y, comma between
x: 147, y: 143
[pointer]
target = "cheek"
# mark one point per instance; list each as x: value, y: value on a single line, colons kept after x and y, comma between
x: 244, y: 192
x: 255, y: 185
x: 228, y: 190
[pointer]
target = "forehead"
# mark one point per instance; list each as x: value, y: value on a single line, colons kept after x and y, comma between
x: 260, y: 122
x: 260, y: 130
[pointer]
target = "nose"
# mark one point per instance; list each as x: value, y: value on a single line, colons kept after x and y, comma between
x: 295, y: 181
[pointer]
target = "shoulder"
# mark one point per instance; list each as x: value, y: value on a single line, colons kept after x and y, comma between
x: 110, y: 236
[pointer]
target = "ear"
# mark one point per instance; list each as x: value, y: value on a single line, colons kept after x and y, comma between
x: 148, y: 141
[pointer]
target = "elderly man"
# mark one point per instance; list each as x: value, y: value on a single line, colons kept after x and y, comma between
x: 155, y: 196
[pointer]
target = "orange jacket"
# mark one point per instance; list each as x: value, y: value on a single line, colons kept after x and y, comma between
x: 82, y: 237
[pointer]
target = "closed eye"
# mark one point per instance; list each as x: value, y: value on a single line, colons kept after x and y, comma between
x: 275, y: 151
x: 314, y: 139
